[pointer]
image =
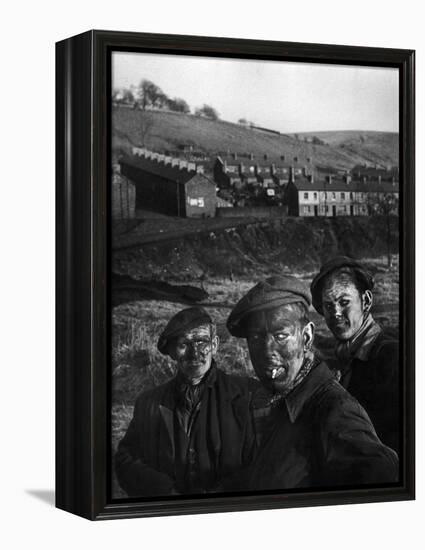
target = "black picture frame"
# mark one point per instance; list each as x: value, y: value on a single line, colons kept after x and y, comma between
x: 82, y: 248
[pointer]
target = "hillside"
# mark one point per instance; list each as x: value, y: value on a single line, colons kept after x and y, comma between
x: 374, y: 147
x: 167, y: 130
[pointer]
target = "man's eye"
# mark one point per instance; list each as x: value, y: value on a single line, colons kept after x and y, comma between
x: 280, y: 336
x: 344, y: 303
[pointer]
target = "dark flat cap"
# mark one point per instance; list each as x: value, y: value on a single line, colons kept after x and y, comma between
x: 268, y: 294
x: 338, y: 262
x: 184, y: 320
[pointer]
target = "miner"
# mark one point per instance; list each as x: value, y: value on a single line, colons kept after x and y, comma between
x: 193, y: 434
x: 317, y: 434
x: 367, y: 357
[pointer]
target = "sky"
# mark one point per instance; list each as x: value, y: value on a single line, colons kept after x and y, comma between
x: 284, y: 96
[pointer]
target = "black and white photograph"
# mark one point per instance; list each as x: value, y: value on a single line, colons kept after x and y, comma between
x: 255, y: 277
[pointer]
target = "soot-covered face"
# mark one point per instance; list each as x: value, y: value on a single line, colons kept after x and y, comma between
x: 194, y: 351
x: 344, y: 306
x: 278, y: 340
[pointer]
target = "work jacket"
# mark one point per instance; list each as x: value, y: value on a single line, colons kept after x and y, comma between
x: 372, y: 377
x: 158, y: 457
x: 320, y: 436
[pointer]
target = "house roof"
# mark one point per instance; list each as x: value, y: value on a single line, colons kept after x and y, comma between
x: 166, y: 171
x: 338, y: 184
x: 261, y: 161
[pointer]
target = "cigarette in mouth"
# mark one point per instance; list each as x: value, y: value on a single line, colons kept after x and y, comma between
x: 274, y: 372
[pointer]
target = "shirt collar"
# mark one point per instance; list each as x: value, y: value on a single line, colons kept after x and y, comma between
x: 299, y: 396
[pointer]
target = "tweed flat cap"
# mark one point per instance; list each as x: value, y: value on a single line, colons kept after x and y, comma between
x: 184, y: 320
x: 361, y: 272
x: 269, y: 294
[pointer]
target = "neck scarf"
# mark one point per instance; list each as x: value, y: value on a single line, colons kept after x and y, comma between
x: 361, y: 343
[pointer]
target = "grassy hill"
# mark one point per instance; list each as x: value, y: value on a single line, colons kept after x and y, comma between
x: 374, y: 147
x: 167, y: 130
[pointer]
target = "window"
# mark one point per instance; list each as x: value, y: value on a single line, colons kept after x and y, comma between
x: 306, y: 209
x: 326, y: 195
x: 343, y: 196
x: 351, y: 195
x: 306, y: 195
x: 327, y: 209
x: 196, y: 202
x: 333, y: 196
x: 344, y: 209
x: 315, y: 195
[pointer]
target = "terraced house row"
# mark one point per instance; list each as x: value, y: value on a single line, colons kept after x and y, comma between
x: 186, y: 188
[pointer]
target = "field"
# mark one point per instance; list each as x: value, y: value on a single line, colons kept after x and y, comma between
x: 168, y: 130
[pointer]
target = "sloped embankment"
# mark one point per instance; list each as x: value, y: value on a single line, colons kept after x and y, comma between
x: 292, y: 244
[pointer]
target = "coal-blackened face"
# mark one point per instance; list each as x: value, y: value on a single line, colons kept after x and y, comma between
x: 344, y: 306
x: 194, y: 351
x: 278, y: 340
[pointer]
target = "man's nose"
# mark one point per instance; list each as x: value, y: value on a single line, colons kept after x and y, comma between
x: 337, y: 310
x: 269, y: 344
x: 194, y: 351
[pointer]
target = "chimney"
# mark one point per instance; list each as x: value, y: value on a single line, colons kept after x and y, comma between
x: 291, y: 175
x: 364, y: 179
x: 310, y: 178
x: 379, y: 180
x: 199, y: 169
x: 235, y: 156
x: 329, y: 179
x: 251, y: 156
x: 347, y: 179
x: 295, y: 159
x: 282, y: 157
x: 265, y: 157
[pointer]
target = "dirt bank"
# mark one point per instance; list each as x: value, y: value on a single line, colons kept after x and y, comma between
x: 282, y: 245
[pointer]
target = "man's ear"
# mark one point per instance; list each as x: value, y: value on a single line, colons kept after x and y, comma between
x: 308, y: 336
x: 367, y: 300
x: 215, y: 342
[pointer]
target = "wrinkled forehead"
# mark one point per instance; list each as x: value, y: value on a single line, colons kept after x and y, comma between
x: 196, y: 333
x: 338, y: 283
x: 270, y: 320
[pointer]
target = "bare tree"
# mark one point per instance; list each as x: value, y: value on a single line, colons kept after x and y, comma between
x: 207, y: 111
x: 385, y: 205
x: 149, y: 94
x: 179, y: 105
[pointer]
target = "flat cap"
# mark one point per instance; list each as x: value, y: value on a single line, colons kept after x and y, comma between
x: 362, y: 274
x: 184, y: 320
x: 269, y: 294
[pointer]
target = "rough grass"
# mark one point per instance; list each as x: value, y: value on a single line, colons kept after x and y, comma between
x: 170, y: 129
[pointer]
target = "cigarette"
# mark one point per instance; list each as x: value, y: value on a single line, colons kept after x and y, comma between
x: 274, y: 372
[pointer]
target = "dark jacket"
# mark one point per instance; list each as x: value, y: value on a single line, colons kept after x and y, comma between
x: 374, y: 381
x: 157, y: 456
x: 321, y: 437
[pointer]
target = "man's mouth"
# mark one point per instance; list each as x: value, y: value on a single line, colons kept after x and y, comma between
x: 274, y: 373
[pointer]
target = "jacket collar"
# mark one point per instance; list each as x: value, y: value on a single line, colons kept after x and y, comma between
x: 302, y: 393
